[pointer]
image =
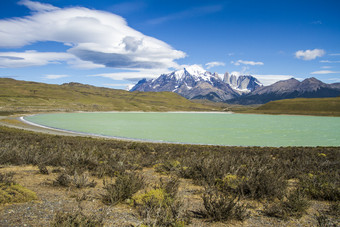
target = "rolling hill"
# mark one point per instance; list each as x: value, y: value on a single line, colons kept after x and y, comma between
x: 23, y: 96
x: 302, y: 106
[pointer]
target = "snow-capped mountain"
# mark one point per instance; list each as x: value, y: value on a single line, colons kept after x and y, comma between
x: 193, y: 82
x: 288, y: 89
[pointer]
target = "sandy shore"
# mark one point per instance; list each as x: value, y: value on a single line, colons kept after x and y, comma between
x: 16, y: 122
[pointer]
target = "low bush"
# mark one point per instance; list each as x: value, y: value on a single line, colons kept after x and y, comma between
x: 7, y: 178
x: 77, y: 180
x: 295, y: 205
x: 158, y: 208
x: 43, y: 169
x: 14, y: 193
x: 167, y: 167
x: 161, y: 206
x: 321, y: 186
x: 334, y: 209
x: 125, y: 185
x: 220, y: 206
x: 76, y: 218
x: 82, y: 180
x: 63, y: 180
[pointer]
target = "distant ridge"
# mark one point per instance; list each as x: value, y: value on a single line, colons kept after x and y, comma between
x: 289, y: 89
x: 26, y: 96
x: 304, y: 106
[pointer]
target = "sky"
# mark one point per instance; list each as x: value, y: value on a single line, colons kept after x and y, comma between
x: 114, y: 44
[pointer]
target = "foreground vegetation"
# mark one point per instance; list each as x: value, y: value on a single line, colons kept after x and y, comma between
x: 21, y: 96
x: 301, y: 106
x: 222, y: 184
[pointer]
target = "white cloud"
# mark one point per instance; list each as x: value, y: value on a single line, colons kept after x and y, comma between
x: 189, y: 13
x: 334, y: 80
x: 133, y: 75
x: 214, y: 64
x: 37, y: 6
x: 239, y: 62
x: 317, y: 22
x: 96, y: 37
x: 324, y: 72
x: 335, y: 54
x: 270, y: 79
x: 327, y: 61
x: 326, y: 67
x: 309, y: 54
x: 119, y: 86
x: 54, y: 77
x: 31, y: 58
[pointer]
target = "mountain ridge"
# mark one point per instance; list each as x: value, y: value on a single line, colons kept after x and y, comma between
x: 289, y: 89
x: 193, y: 82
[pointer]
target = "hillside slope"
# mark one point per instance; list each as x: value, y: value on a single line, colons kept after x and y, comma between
x: 304, y: 106
x: 31, y: 96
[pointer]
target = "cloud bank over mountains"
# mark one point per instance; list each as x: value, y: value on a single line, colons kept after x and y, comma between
x: 95, y: 39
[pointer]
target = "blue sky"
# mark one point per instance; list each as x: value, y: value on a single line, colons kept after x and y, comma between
x: 116, y: 43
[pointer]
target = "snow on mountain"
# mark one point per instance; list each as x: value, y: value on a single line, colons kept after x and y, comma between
x: 193, y: 82
x: 289, y: 89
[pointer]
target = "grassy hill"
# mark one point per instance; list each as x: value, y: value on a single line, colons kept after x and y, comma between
x: 304, y: 106
x: 23, y: 96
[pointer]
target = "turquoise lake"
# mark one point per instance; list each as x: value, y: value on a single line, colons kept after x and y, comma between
x: 201, y: 128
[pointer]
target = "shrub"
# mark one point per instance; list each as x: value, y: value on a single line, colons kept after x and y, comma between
x: 123, y: 188
x: 14, y: 193
x: 7, y: 178
x: 230, y: 183
x: 43, y: 169
x: 63, y: 180
x: 294, y: 206
x: 76, y: 218
x: 262, y: 179
x: 167, y: 167
x: 77, y: 180
x: 170, y: 186
x: 82, y: 180
x: 219, y: 206
x: 158, y: 208
x: 334, y: 209
x: 321, y: 186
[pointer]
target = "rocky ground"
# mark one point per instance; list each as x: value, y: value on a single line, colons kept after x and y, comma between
x: 52, y: 199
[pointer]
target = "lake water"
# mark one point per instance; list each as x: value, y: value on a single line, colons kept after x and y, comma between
x: 201, y: 128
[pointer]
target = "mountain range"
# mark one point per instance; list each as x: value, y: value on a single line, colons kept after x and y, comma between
x: 194, y: 82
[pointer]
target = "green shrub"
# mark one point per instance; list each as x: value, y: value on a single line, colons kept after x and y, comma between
x: 43, y: 169
x: 82, y: 180
x: 7, y: 178
x: 63, y: 180
x: 77, y: 180
x: 167, y: 167
x: 262, y: 178
x: 323, y: 220
x: 334, y: 209
x: 321, y: 186
x: 125, y: 185
x: 220, y: 206
x: 14, y: 193
x: 295, y: 205
x: 74, y: 219
x: 159, y: 208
